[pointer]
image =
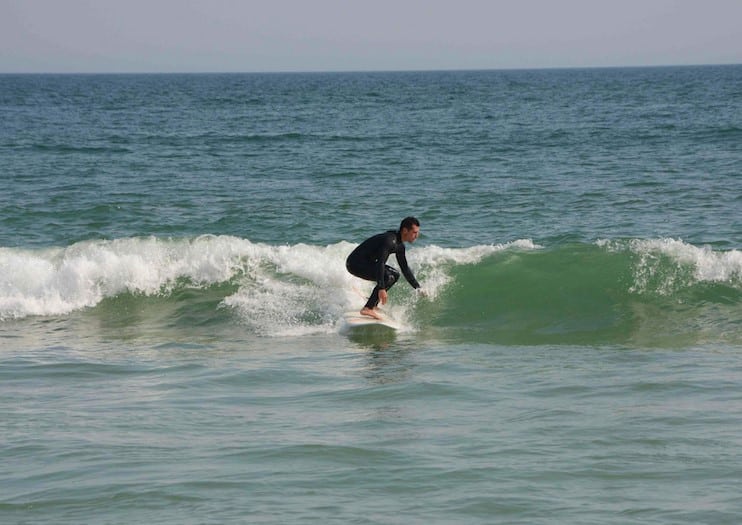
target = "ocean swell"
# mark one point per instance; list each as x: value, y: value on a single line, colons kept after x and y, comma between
x: 643, y: 291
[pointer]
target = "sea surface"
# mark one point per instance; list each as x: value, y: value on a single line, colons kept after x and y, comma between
x: 172, y: 290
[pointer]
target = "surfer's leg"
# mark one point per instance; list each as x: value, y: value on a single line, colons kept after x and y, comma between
x: 370, y: 307
x: 365, y: 271
x: 390, y: 277
x: 373, y: 300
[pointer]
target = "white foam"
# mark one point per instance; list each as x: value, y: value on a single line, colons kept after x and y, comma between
x: 295, y: 290
x: 691, y: 263
x: 60, y: 280
x: 287, y: 289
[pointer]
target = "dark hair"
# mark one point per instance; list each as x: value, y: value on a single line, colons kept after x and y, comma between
x: 408, y: 223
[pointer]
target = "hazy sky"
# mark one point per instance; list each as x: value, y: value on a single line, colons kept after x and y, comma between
x: 342, y: 35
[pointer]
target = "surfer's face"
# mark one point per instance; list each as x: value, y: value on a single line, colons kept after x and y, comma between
x: 409, y: 235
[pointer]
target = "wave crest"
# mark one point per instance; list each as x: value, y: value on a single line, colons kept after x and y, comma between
x: 639, y: 291
x: 60, y: 280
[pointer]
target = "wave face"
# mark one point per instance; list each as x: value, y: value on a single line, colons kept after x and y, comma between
x: 647, y: 292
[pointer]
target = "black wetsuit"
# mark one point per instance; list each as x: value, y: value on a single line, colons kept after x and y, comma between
x: 368, y: 261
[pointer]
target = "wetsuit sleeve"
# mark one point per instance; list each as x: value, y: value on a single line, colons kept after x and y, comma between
x: 402, y: 260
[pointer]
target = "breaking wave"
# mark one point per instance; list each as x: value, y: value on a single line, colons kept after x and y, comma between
x: 656, y: 291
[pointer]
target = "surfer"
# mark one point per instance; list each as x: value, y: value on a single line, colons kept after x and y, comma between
x: 368, y: 261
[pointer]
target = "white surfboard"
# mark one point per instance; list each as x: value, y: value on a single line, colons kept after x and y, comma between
x: 354, y: 320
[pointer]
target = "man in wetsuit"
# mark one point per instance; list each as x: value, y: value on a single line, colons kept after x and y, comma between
x: 368, y: 261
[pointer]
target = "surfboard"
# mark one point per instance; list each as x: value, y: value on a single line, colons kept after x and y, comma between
x: 353, y: 320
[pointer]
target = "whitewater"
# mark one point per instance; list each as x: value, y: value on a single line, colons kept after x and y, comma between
x: 56, y: 281
x: 303, y: 289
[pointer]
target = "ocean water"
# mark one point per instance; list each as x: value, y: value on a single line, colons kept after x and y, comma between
x: 172, y: 286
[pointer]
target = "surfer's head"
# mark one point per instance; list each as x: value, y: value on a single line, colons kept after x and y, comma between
x: 409, y: 229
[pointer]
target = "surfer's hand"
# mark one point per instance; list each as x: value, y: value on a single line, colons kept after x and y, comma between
x: 382, y: 296
x: 421, y: 292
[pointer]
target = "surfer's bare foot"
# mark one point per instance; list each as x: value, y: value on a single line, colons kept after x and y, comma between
x: 371, y: 312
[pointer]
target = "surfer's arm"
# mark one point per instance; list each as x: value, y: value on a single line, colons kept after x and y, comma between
x: 402, y: 260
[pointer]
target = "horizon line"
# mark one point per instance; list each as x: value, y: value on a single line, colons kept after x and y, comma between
x: 359, y: 71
